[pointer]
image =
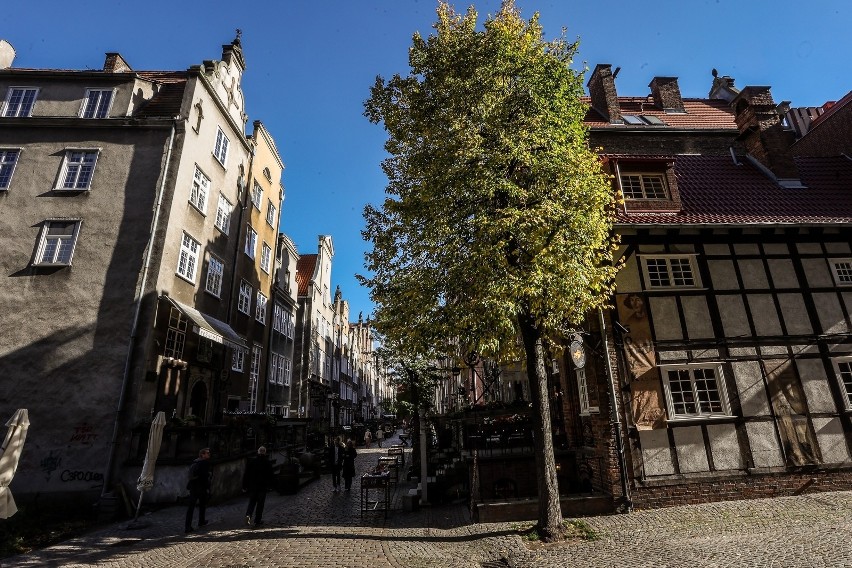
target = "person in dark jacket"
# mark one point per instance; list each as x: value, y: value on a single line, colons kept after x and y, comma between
x: 349, y: 454
x: 258, y: 477
x: 200, y: 476
x: 335, y: 461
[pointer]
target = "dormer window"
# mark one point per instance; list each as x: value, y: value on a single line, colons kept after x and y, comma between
x: 643, y: 186
x: 647, y: 183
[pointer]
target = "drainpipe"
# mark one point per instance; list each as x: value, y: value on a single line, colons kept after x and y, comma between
x: 615, y: 417
x: 125, y: 381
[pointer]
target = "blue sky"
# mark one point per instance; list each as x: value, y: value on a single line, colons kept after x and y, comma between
x: 311, y: 64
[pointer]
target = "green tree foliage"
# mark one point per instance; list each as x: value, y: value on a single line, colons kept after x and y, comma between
x: 497, y: 221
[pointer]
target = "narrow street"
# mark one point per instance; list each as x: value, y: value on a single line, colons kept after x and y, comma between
x: 319, y: 528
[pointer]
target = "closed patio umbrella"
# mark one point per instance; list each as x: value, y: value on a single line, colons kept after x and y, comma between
x: 146, y: 478
x: 10, y: 454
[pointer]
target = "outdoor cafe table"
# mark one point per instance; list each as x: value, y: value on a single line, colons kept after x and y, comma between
x: 375, y: 492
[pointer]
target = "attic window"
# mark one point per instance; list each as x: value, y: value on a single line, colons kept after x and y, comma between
x: 643, y: 186
x: 642, y: 120
x: 267, y: 174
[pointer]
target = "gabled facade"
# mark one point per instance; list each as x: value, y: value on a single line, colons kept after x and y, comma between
x: 730, y: 338
x: 315, y: 347
x: 279, y: 398
x: 121, y: 193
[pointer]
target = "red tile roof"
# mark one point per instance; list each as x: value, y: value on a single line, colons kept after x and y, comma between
x: 700, y: 114
x: 168, y: 100
x: 305, y: 271
x: 714, y: 190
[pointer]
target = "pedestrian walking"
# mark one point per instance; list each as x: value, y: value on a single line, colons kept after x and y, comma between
x: 200, y: 477
x: 380, y: 435
x: 256, y: 480
x: 368, y: 437
x: 335, y: 460
x: 349, y: 454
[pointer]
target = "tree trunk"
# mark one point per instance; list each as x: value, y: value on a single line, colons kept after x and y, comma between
x: 549, y: 525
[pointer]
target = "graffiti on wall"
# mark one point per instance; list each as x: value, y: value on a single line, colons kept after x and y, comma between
x: 84, y: 433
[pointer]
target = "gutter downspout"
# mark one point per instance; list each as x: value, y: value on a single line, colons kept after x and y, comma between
x: 615, y: 418
x: 125, y: 381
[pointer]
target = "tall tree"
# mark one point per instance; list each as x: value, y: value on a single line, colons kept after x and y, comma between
x: 497, y: 221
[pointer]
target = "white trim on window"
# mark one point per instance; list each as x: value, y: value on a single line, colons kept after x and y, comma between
x: 19, y: 102
x: 215, y: 274
x: 244, y: 299
x: 220, y: 150
x: 199, y: 191
x: 644, y: 185
x: 695, y: 391
x: 265, y: 257
x: 665, y: 271
x: 843, y: 372
x: 77, y: 170
x: 8, y: 161
x: 256, y: 195
x: 238, y: 357
x: 223, y: 214
x: 56, y: 243
x: 97, y: 103
x: 254, y: 376
x: 251, y: 242
x: 260, y: 308
x: 188, y: 258
x: 271, y: 212
x: 841, y: 271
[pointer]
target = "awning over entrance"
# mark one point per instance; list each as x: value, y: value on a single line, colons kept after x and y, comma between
x: 209, y: 327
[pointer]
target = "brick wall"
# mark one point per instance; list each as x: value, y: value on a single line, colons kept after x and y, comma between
x: 757, y: 486
x: 829, y: 138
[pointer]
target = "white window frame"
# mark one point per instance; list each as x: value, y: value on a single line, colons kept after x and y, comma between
x: 244, y: 299
x: 271, y: 211
x: 215, y: 275
x: 220, y: 150
x: 57, y: 249
x: 8, y: 161
x: 841, y: 271
x: 695, y: 393
x: 251, y: 242
x: 288, y: 372
x: 260, y: 308
x: 7, y: 104
x: 74, y: 164
x: 256, y: 195
x: 254, y: 376
x: 583, y: 392
x: 644, y: 178
x: 265, y: 257
x: 843, y: 366
x: 671, y: 271
x: 187, y: 265
x: 175, y: 335
x: 223, y: 214
x: 98, y: 110
x: 200, y: 190
x: 238, y: 358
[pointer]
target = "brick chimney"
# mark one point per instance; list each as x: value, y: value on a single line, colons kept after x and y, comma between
x: 666, y: 94
x: 603, y: 94
x: 115, y: 63
x: 762, y: 132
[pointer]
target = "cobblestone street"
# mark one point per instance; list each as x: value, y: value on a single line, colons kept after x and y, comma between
x: 319, y: 528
